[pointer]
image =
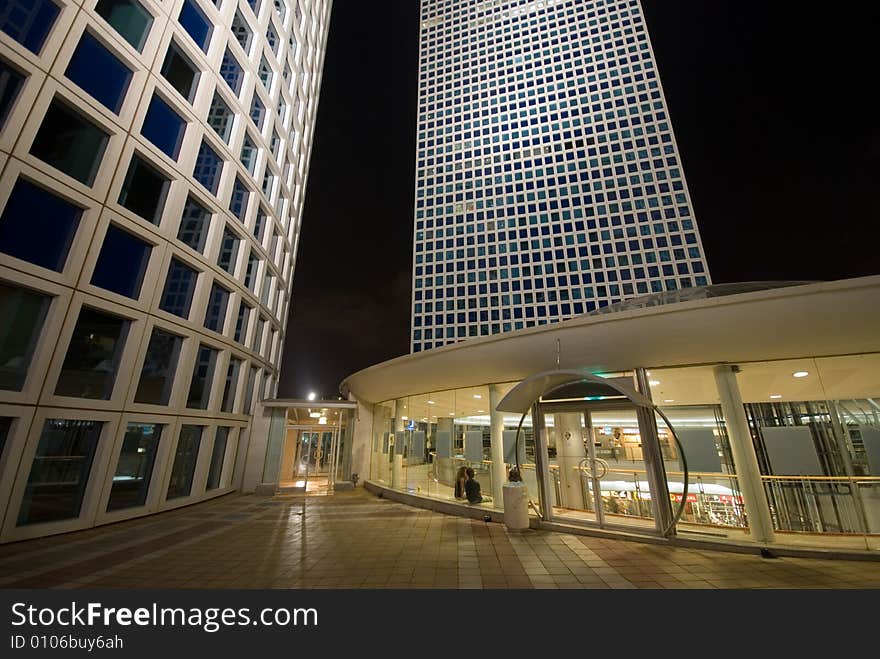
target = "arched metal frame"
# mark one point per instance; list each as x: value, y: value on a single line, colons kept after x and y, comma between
x: 522, y: 397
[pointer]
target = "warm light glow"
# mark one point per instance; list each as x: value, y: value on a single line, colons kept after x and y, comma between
x: 430, y: 402
x: 477, y: 396
x: 312, y: 395
x: 315, y: 415
x: 654, y: 383
x: 669, y: 400
x: 775, y: 395
x: 405, y: 418
x: 322, y: 421
x: 801, y: 374
x: 480, y: 411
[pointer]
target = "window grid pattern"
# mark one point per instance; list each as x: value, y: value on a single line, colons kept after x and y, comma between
x: 187, y: 229
x: 548, y: 180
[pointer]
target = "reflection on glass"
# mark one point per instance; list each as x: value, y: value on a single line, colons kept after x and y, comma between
x: 93, y: 356
x: 185, y: 457
x: 23, y: 312
x: 217, y: 455
x: 60, y: 471
x: 202, y: 377
x: 131, y: 482
x: 160, y: 363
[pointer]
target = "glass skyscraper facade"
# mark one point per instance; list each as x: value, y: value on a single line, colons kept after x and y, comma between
x: 548, y: 180
x: 153, y: 162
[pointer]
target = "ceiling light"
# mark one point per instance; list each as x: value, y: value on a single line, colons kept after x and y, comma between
x: 405, y: 418
x: 801, y: 374
x: 322, y: 421
x: 477, y: 396
x: 654, y: 383
x: 775, y: 395
x: 480, y: 411
x: 312, y: 395
x: 430, y: 402
x: 315, y: 415
x: 669, y: 400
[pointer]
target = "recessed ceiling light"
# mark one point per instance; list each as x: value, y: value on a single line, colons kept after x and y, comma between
x: 477, y: 396
x: 430, y: 402
x: 480, y: 411
x: 801, y: 374
x: 405, y: 418
x: 669, y: 400
x: 452, y: 414
x: 654, y: 383
x: 775, y: 395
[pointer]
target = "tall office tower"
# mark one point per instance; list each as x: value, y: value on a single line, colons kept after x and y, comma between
x: 548, y: 181
x: 153, y: 159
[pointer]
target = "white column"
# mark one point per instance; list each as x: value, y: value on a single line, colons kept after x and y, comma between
x: 748, y: 473
x: 496, y: 432
x: 569, y: 453
x: 361, y: 440
x: 397, y: 478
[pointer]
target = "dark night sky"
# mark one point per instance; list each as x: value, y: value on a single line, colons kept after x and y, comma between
x: 771, y: 103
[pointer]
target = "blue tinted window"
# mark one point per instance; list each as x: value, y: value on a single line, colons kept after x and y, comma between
x: 164, y: 127
x: 194, y: 225
x: 208, y: 168
x: 217, y: 303
x: 258, y: 111
x: 228, y: 251
x: 99, y: 72
x: 128, y: 18
x: 70, y: 143
x: 231, y: 72
x: 28, y: 21
x: 38, y: 227
x: 11, y: 81
x: 122, y: 263
x: 238, y: 203
x: 193, y: 20
x: 180, y: 284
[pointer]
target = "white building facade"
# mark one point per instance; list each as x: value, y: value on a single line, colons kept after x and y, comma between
x: 153, y: 162
x: 548, y: 180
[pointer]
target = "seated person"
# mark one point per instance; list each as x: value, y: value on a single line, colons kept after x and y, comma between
x: 472, y: 488
x: 460, y: 481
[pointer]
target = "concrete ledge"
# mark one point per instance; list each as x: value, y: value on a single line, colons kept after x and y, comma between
x: 477, y: 512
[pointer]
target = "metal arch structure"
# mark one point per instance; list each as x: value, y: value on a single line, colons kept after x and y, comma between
x: 523, y: 396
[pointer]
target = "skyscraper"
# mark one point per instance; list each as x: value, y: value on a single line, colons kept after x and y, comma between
x: 548, y: 181
x: 153, y: 161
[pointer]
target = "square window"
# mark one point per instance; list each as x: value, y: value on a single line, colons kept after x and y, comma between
x: 24, y: 312
x: 180, y: 284
x: 160, y: 366
x: 131, y: 481
x: 265, y: 73
x: 128, y: 18
x: 28, y: 21
x: 11, y: 82
x: 144, y: 190
x: 180, y: 72
x: 164, y: 127
x: 218, y: 453
x: 260, y: 225
x: 258, y: 112
x: 228, y: 251
x: 122, y: 263
x: 38, y: 227
x: 215, y: 317
x: 238, y: 203
x: 231, y: 72
x: 241, y: 324
x: 220, y: 118
x: 248, y: 154
x: 99, y: 72
x: 186, y: 456
x: 208, y: 168
x: 202, y: 378
x: 59, y: 473
x: 193, y: 20
x: 93, y: 355
x: 230, y: 386
x: 70, y: 143
x: 242, y: 32
x: 194, y: 225
x: 250, y: 275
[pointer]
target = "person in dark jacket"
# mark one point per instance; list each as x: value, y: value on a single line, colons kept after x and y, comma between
x: 472, y: 488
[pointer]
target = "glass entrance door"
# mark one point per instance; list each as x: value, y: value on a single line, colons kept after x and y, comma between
x: 312, y: 462
x: 596, y: 465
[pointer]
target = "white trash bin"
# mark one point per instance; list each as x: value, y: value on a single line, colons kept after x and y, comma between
x: 516, y: 505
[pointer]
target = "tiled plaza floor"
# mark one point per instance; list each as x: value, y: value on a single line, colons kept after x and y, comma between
x: 355, y: 540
